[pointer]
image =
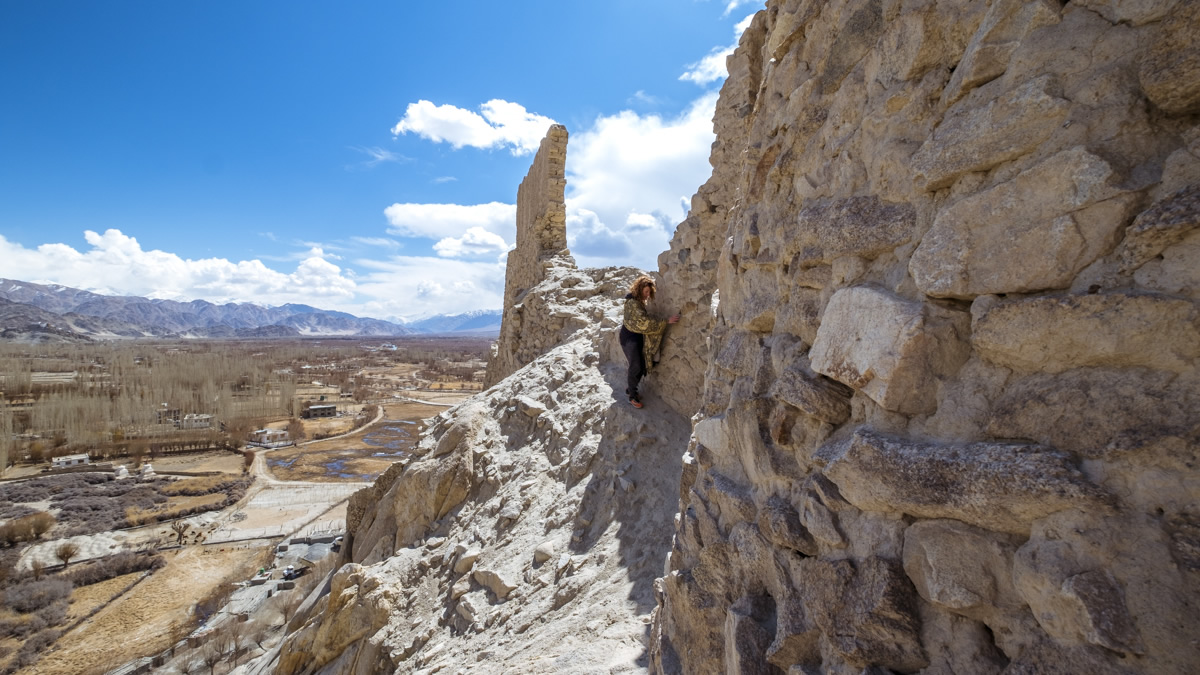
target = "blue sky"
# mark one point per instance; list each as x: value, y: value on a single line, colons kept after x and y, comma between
x: 363, y: 157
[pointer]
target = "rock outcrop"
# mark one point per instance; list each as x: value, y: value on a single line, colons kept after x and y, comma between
x: 541, y: 249
x: 944, y: 276
x: 933, y: 405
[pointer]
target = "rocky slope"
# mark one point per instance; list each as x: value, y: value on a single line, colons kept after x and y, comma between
x: 933, y: 405
x: 527, y: 532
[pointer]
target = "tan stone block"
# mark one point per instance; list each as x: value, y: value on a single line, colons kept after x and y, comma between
x: 1032, y: 233
x: 998, y: 36
x: 1170, y: 66
x: 984, y: 130
x: 1053, y: 334
x: 893, y: 350
x: 997, y: 486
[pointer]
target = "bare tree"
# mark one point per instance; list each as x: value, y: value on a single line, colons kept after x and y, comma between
x: 137, y: 450
x: 247, y: 460
x: 235, y: 637
x: 212, y: 654
x: 286, y: 603
x: 295, y: 429
x: 37, y: 568
x: 180, y: 528
x: 66, y: 551
x: 257, y: 631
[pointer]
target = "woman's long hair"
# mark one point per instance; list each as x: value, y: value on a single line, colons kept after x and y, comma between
x: 640, y: 284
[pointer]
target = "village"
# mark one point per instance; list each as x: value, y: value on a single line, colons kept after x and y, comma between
x: 202, y: 516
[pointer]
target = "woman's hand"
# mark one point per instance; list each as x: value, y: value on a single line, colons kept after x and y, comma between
x: 673, y: 319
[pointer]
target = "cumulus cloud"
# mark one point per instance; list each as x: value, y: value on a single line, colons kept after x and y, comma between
x: 116, y: 263
x: 589, y: 238
x: 499, y: 124
x: 474, y: 242
x: 441, y: 221
x: 628, y: 177
x: 712, y: 68
x: 317, y: 251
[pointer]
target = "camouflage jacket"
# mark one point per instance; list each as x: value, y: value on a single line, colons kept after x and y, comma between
x: 636, y: 319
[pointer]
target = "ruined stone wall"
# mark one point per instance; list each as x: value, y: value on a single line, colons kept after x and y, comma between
x: 541, y: 245
x: 940, y: 333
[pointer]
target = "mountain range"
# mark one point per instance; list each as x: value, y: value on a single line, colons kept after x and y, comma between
x: 30, y: 311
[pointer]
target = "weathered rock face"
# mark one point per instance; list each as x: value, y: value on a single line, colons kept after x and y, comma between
x: 944, y: 289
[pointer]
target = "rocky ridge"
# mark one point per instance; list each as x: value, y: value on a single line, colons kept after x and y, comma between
x: 527, y: 532
x: 935, y: 388
x: 107, y: 316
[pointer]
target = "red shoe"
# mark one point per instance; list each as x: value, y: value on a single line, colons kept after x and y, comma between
x: 635, y: 403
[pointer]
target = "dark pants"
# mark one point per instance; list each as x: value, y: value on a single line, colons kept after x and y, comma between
x: 631, y: 344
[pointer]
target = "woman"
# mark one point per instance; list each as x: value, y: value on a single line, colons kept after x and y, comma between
x: 641, y: 335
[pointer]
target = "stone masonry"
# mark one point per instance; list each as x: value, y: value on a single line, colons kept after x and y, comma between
x: 541, y: 246
x: 944, y: 286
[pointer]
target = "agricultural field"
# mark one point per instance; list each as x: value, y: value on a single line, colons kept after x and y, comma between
x: 147, y: 400
x: 362, y: 456
x: 97, y: 570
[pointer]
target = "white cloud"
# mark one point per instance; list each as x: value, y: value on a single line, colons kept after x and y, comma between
x: 589, y: 238
x: 378, y: 156
x: 444, y: 179
x: 734, y: 4
x: 317, y: 251
x: 628, y: 177
x: 390, y: 287
x: 117, y: 264
x: 440, y: 221
x: 378, y: 242
x: 474, y: 242
x: 710, y: 68
x: 501, y: 124
x: 418, y: 286
x: 641, y: 96
x: 741, y: 27
x: 642, y: 221
x: 429, y: 289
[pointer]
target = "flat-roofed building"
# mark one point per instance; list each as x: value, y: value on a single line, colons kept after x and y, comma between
x: 69, y: 460
x: 315, y: 411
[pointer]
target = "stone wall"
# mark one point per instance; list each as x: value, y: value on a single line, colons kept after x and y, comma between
x: 541, y: 246
x: 940, y: 337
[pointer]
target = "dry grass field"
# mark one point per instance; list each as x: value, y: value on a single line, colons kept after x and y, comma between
x: 359, y: 456
x: 147, y: 615
x: 68, y: 404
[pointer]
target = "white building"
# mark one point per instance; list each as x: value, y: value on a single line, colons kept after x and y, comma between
x: 269, y: 438
x: 194, y: 421
x: 69, y: 460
